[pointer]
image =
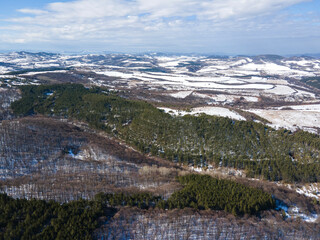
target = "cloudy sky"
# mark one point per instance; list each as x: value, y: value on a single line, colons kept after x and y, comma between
x: 184, y: 26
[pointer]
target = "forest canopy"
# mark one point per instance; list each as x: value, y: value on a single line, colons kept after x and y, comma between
x: 198, y: 140
x: 205, y: 192
x: 38, y: 219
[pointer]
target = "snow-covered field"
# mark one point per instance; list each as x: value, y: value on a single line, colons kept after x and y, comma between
x: 212, y: 80
x: 225, y: 98
x: 182, y: 94
x: 281, y: 90
x: 309, y: 107
x: 182, y: 81
x: 212, y: 111
x: 306, y: 117
x: 3, y: 70
x: 179, y: 72
x: 43, y: 72
x: 291, y: 119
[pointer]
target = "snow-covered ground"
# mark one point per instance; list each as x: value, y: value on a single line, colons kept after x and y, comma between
x: 225, y: 98
x: 306, y: 117
x: 42, y: 72
x: 268, y: 67
x: 213, y: 111
x: 3, y: 70
x: 295, y: 212
x: 213, y: 80
x: 281, y: 90
x: 310, y: 190
x: 210, y: 73
x: 306, y: 107
x: 207, y: 73
x: 181, y: 94
x: 182, y: 81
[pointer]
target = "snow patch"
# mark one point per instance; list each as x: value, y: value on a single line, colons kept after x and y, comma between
x: 291, y: 119
x: 181, y: 94
x: 212, y: 111
x: 42, y: 72
x: 295, y: 212
x: 311, y: 190
x: 281, y: 90
x: 309, y: 107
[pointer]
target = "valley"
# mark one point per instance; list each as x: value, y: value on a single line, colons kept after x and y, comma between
x: 75, y: 126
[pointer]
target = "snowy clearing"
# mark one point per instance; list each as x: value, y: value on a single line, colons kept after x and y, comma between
x: 181, y: 94
x: 291, y: 119
x: 281, y: 90
x: 212, y: 111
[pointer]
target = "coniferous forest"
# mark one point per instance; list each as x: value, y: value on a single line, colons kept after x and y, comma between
x: 38, y: 219
x: 256, y: 148
x: 205, y: 192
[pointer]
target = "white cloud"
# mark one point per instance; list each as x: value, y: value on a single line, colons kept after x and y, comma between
x: 83, y: 9
x: 223, y: 9
x: 32, y: 11
x: 143, y: 21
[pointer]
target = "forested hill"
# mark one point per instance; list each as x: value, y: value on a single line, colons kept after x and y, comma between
x: 260, y: 150
x: 38, y: 219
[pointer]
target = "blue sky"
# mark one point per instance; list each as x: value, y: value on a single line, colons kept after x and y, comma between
x: 184, y: 26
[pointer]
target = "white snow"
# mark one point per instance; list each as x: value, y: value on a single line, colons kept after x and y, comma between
x: 224, y: 98
x: 307, y: 107
x: 3, y: 70
x: 201, y: 95
x: 239, y: 62
x: 290, y: 119
x: 251, y: 99
x: 234, y: 77
x: 186, y: 81
x: 218, y: 111
x: 268, y: 67
x: 115, y: 74
x: 281, y: 90
x: 295, y: 212
x: 169, y: 64
x: 46, y: 64
x: 197, y: 169
x: 212, y: 111
x: 310, y: 190
x: 42, y: 72
x: 7, y: 76
x: 181, y: 94
x: 234, y: 81
x: 305, y: 93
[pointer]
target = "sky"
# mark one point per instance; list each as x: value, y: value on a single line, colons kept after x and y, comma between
x: 177, y: 26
